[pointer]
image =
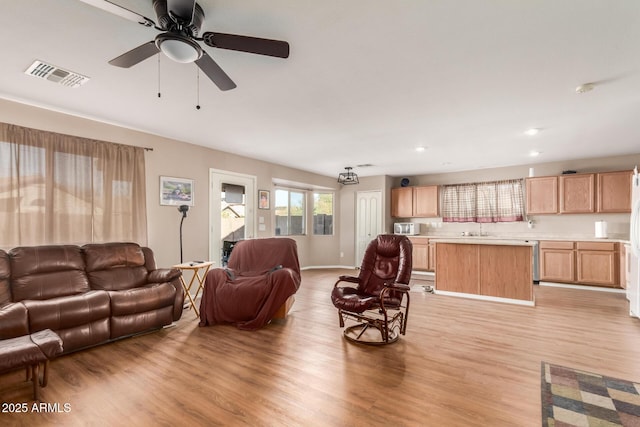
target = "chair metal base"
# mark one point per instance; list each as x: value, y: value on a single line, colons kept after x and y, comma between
x: 367, y: 333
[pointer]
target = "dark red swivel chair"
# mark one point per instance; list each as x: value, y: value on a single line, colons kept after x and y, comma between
x: 378, y: 299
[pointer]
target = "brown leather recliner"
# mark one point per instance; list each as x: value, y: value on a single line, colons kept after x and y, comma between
x: 140, y: 298
x: 50, y: 281
x: 261, y: 276
x: 379, y: 301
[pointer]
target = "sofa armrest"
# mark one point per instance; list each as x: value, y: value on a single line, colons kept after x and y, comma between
x: 162, y: 275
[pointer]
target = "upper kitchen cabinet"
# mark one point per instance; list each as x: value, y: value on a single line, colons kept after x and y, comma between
x: 407, y: 202
x: 425, y: 201
x: 614, y: 192
x: 402, y: 202
x: 542, y: 195
x: 577, y: 193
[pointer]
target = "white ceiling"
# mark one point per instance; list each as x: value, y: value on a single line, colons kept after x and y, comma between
x: 367, y: 80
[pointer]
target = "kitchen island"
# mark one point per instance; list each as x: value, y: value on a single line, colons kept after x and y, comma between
x: 489, y: 269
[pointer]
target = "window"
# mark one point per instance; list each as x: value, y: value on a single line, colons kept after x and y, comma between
x: 498, y: 201
x: 289, y: 210
x: 61, y: 189
x: 323, y: 214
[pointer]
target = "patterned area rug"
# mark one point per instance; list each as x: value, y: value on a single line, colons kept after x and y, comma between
x: 578, y: 398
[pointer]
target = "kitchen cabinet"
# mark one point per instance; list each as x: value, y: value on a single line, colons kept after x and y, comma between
x: 589, y: 263
x: 420, y: 254
x: 432, y: 256
x: 402, y: 202
x: 625, y: 272
x: 425, y: 201
x: 424, y: 254
x: 605, y: 192
x: 419, y: 202
x: 597, y: 263
x: 542, y: 195
x: 614, y: 192
x: 557, y: 261
x: 485, y: 270
x: 577, y: 193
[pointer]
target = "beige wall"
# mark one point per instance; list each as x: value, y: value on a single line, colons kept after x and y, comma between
x: 180, y: 159
x: 582, y: 226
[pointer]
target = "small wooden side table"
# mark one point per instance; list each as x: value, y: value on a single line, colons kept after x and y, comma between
x: 199, y: 273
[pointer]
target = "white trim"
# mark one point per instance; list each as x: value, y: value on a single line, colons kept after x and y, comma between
x: 423, y: 273
x: 583, y: 287
x: 216, y: 177
x: 487, y: 298
x: 315, y: 267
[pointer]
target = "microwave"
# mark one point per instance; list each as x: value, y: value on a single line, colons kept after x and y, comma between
x: 407, y: 228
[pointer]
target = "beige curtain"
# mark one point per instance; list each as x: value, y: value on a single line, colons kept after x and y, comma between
x: 62, y: 189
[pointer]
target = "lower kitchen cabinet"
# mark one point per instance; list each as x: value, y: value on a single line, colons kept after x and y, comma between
x: 432, y: 256
x: 424, y: 254
x: 557, y: 262
x: 597, y: 263
x: 420, y: 254
x: 589, y: 263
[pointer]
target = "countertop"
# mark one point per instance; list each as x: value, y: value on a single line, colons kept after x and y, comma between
x: 472, y: 239
x: 485, y: 241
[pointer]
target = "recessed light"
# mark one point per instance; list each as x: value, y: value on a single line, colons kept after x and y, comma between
x: 535, y: 153
x: 532, y: 131
x: 420, y: 149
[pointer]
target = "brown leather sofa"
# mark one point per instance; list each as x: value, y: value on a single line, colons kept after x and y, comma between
x: 87, y: 295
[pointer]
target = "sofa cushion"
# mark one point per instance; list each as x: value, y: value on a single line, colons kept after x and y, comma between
x: 14, y: 320
x: 140, y: 300
x: 69, y: 311
x: 85, y: 335
x: 44, y: 272
x: 5, y: 272
x: 100, y: 256
x: 115, y: 266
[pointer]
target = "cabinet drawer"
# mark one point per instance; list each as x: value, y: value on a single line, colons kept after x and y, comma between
x: 552, y: 244
x: 597, y: 246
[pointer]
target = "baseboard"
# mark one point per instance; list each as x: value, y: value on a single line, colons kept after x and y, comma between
x: 318, y: 267
x: 487, y: 298
x: 584, y: 287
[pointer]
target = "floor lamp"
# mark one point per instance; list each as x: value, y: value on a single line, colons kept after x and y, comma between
x: 183, y: 210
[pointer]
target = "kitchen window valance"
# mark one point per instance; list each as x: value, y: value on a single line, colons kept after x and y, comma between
x: 496, y: 201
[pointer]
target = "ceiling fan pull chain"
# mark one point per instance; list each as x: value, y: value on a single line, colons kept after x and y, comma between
x: 159, y: 76
x: 197, y: 88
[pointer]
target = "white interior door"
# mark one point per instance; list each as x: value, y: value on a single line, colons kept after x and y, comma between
x: 368, y: 220
x: 231, y: 210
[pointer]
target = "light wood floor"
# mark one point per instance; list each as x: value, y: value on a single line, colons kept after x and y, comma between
x: 462, y: 363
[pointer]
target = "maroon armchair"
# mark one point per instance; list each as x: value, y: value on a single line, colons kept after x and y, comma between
x: 378, y: 299
x: 260, y: 279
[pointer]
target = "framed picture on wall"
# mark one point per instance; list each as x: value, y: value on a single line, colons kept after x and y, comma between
x: 176, y: 191
x: 263, y: 199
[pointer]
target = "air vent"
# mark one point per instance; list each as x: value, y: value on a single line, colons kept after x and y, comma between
x: 42, y: 70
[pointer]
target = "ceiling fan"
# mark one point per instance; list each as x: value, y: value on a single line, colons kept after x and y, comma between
x: 180, y: 22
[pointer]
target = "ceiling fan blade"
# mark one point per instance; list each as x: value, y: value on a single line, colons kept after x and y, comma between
x: 214, y: 72
x: 110, y: 7
x: 257, y: 45
x: 183, y: 9
x: 136, y: 55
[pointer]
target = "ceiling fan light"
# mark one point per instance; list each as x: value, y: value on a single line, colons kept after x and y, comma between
x: 178, y: 48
